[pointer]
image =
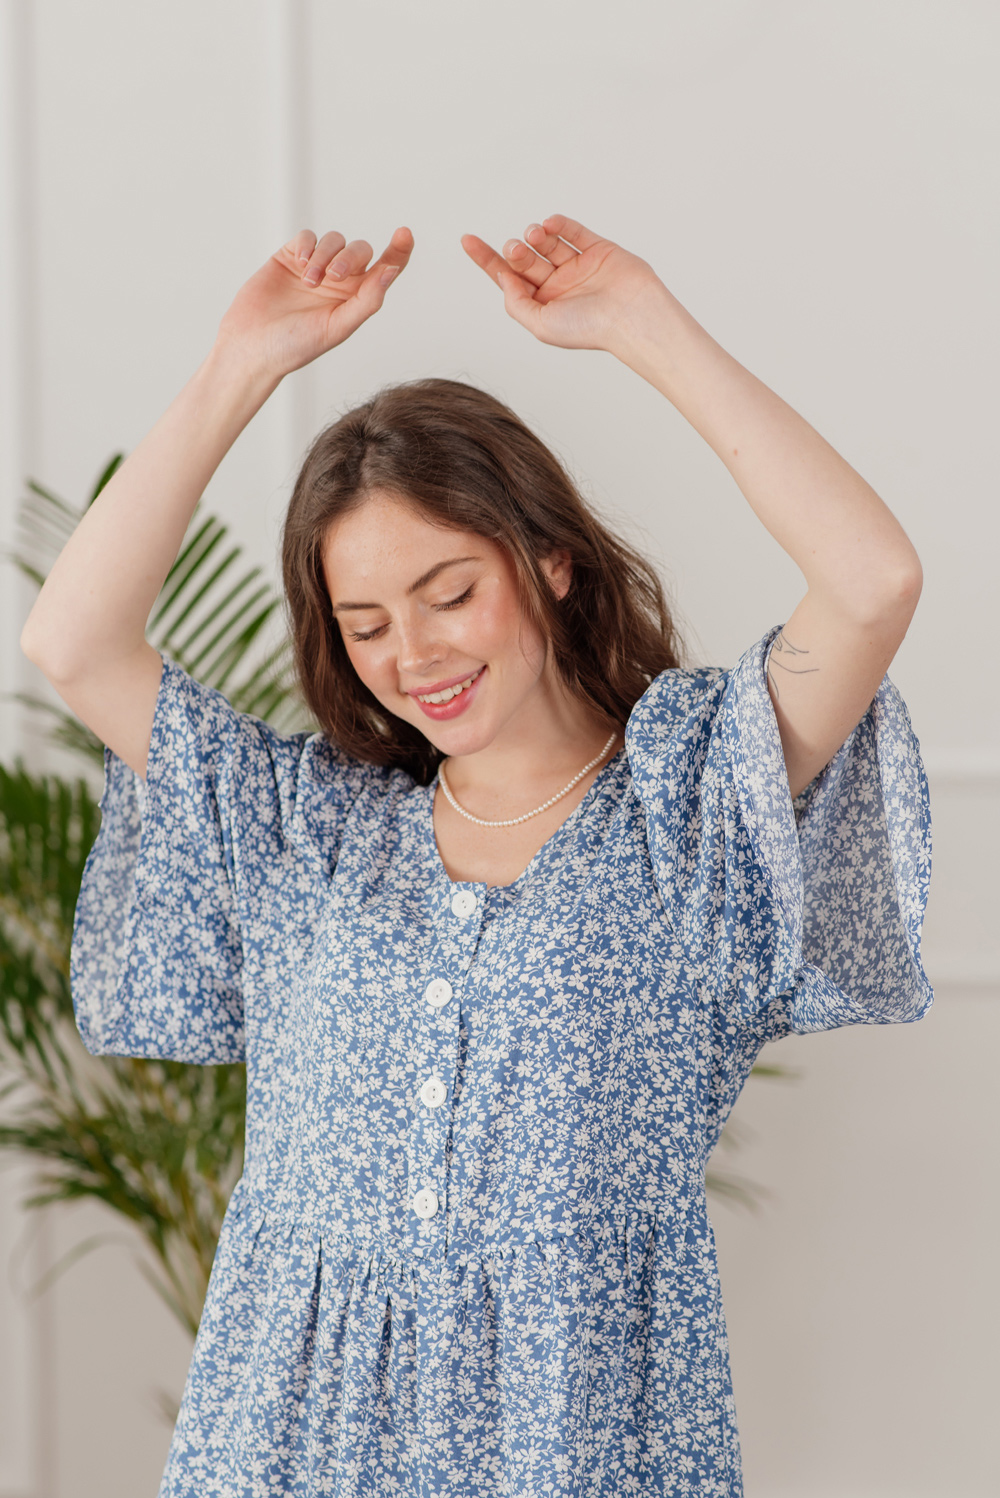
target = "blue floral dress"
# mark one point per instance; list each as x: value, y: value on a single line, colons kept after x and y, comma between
x: 469, y: 1254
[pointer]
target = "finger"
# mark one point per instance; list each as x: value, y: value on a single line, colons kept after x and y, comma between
x: 398, y: 251
x: 301, y: 246
x: 522, y: 258
x: 350, y: 261
x: 518, y: 294
x: 519, y: 301
x: 346, y: 316
x: 568, y: 228
x: 330, y: 244
x: 550, y: 245
x: 484, y: 255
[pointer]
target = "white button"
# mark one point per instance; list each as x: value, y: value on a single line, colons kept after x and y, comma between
x: 464, y: 903
x: 425, y: 1203
x: 438, y: 992
x: 433, y: 1092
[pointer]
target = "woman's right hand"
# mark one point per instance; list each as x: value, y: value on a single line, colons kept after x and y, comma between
x: 296, y: 308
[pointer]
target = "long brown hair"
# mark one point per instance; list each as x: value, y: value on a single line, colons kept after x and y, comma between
x: 467, y: 461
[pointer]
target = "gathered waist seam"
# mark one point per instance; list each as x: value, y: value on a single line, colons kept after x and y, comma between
x: 618, y: 1223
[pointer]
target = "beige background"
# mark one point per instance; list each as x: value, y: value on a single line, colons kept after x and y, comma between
x: 816, y: 182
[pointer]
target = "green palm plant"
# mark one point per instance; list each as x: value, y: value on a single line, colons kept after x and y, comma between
x: 210, y: 616
x: 158, y: 1142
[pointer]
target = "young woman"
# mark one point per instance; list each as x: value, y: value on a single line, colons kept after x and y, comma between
x: 501, y: 942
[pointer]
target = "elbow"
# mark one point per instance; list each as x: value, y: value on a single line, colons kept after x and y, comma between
x: 905, y: 588
x: 29, y: 645
x: 909, y: 578
x: 38, y: 651
x: 892, y: 596
x: 57, y: 657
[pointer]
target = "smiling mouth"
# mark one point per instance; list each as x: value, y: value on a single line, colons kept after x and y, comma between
x: 449, y: 692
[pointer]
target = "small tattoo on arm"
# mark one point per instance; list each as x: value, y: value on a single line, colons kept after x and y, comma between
x: 785, y: 647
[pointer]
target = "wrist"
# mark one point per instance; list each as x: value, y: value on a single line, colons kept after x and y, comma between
x: 234, y: 374
x: 651, y: 336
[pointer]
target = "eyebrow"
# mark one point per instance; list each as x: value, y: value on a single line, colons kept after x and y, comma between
x: 421, y: 582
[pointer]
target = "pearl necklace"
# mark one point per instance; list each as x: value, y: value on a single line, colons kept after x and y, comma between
x: 512, y: 821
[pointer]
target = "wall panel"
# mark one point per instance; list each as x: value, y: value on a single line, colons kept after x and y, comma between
x: 808, y: 180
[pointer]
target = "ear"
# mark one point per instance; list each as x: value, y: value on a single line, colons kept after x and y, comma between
x: 558, y: 568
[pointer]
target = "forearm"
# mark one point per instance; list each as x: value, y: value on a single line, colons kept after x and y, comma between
x: 847, y: 543
x: 97, y: 598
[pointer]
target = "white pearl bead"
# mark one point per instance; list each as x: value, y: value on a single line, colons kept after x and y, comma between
x: 513, y: 821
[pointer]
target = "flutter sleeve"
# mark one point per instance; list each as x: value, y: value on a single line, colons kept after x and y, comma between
x: 814, y: 905
x: 157, y: 956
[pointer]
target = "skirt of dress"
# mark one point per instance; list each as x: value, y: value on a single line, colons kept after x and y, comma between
x: 589, y: 1365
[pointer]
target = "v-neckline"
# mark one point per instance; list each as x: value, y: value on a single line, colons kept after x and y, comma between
x: 534, y: 863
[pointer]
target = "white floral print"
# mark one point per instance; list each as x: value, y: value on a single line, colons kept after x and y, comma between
x: 469, y: 1254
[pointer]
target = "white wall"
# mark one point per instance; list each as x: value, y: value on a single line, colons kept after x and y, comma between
x: 815, y: 182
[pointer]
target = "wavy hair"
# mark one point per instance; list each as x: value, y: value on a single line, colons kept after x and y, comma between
x: 467, y: 461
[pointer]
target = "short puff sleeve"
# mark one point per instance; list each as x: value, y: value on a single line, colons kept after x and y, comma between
x: 157, y: 955
x: 817, y: 902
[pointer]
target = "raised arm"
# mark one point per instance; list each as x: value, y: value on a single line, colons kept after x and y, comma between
x: 86, y: 631
x: 572, y: 288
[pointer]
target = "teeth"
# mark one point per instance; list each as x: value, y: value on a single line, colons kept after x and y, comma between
x: 449, y: 692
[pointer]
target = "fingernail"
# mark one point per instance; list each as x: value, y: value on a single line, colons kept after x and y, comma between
x: 388, y: 275
x: 337, y: 272
x: 311, y: 277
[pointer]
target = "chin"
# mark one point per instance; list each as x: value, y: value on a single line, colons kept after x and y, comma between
x: 459, y: 739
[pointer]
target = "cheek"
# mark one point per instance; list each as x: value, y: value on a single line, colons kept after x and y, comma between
x: 503, y: 635
x: 372, y: 664
x: 493, y: 623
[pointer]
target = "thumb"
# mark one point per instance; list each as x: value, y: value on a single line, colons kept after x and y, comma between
x: 371, y: 293
x: 518, y: 301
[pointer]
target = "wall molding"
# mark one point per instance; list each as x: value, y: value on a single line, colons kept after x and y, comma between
x: 965, y: 767
x: 27, y: 1463
x: 946, y: 969
x: 973, y: 772
x: 18, y: 347
x: 285, y: 27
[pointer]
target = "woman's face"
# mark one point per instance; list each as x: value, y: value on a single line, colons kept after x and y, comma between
x: 423, y: 610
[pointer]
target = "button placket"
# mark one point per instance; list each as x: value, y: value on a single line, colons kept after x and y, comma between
x: 431, y: 1116
x: 463, y: 903
x: 438, y: 992
x: 425, y: 1202
x: 433, y: 1092
x: 457, y: 922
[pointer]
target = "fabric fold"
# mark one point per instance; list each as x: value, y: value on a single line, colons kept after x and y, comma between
x: 819, y: 902
x: 156, y: 959
x: 227, y: 803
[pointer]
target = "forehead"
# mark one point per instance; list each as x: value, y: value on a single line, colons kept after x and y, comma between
x: 385, y: 539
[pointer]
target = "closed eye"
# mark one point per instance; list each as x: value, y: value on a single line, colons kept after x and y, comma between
x: 462, y: 598
x: 454, y: 603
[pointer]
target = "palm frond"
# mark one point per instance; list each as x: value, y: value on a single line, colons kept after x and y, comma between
x: 213, y: 614
x: 159, y: 1143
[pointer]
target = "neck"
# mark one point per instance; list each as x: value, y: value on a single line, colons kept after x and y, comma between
x: 550, y: 739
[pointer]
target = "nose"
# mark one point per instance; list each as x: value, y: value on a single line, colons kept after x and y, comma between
x: 417, y: 649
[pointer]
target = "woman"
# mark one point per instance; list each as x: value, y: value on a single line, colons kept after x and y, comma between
x: 501, y: 942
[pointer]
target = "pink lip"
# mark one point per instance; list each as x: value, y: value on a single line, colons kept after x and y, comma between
x: 441, y: 711
x: 439, y: 686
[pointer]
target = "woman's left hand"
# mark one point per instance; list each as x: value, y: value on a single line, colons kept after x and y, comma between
x: 566, y: 284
